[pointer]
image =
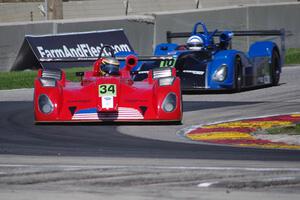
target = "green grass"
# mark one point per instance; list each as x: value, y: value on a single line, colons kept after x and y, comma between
x: 25, y: 79
x: 292, y: 56
x: 291, y: 130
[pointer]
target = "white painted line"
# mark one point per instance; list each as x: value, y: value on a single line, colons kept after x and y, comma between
x: 280, y: 179
x: 233, y: 168
x: 14, y: 165
x: 207, y: 184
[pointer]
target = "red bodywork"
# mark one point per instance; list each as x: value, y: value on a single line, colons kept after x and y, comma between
x: 126, y: 101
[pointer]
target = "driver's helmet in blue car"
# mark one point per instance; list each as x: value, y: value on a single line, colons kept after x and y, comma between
x: 195, y: 42
x: 110, y: 66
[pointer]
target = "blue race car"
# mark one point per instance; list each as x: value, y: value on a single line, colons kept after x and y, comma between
x: 203, y: 64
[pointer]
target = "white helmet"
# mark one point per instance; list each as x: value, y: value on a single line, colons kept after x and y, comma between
x: 195, y: 42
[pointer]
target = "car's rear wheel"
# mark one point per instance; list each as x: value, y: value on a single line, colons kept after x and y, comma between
x: 238, y: 80
x: 275, y: 66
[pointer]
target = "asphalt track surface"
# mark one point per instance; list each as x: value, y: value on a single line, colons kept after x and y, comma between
x: 147, y: 161
x: 20, y: 136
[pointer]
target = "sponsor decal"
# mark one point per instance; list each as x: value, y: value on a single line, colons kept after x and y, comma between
x: 107, y: 92
x: 143, y: 72
x: 242, y: 132
x: 44, y: 51
x: 80, y: 50
x: 194, y: 72
x: 260, y: 80
x: 167, y: 63
x: 267, y: 79
x: 107, y: 102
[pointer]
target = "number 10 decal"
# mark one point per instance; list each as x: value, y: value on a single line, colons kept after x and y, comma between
x: 107, y: 90
x: 167, y: 63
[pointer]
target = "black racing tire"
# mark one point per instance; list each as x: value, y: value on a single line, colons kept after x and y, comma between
x: 238, y: 76
x: 275, y: 66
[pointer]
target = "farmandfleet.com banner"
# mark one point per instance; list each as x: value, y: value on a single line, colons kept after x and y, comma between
x: 67, y: 47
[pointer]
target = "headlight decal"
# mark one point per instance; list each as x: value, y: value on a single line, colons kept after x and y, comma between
x: 169, y: 103
x: 45, y: 104
x: 221, y: 73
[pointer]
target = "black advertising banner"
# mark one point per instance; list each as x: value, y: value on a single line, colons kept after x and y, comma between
x: 68, y: 46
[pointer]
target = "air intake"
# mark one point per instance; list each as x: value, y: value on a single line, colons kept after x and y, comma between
x: 162, y: 72
x: 55, y: 74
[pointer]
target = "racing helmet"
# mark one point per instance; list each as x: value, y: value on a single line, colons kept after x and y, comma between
x: 110, y: 66
x: 195, y: 42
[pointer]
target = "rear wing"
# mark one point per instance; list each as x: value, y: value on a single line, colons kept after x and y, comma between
x: 281, y: 33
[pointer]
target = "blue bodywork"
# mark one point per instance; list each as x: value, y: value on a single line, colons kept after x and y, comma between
x: 258, y: 66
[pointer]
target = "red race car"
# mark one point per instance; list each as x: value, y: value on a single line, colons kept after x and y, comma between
x: 108, y: 93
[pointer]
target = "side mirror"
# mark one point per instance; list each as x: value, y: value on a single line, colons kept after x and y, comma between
x: 226, y: 36
x: 79, y: 74
x: 225, y: 39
